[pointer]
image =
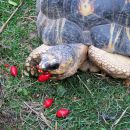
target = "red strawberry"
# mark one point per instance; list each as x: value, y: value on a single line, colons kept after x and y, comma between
x: 48, y: 102
x: 44, y: 77
x: 62, y: 113
x: 14, y: 71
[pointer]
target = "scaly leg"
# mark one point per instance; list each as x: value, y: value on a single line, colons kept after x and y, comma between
x: 115, y: 65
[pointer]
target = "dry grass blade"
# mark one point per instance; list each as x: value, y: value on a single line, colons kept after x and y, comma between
x: 56, y: 126
x: 85, y: 86
x: 40, y: 115
x: 43, y: 118
x: 118, y: 120
x: 5, y: 24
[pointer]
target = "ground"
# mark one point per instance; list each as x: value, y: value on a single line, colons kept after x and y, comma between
x: 96, y: 103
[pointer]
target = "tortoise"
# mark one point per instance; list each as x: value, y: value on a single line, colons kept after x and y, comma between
x: 90, y: 35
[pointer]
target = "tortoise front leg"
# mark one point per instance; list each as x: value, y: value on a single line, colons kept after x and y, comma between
x: 115, y: 65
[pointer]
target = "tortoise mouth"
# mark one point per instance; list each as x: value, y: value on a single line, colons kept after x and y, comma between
x: 56, y: 76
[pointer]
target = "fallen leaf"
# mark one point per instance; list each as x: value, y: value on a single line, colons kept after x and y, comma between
x: 12, y: 3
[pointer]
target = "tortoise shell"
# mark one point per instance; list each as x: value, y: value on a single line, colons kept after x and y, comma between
x: 102, y: 23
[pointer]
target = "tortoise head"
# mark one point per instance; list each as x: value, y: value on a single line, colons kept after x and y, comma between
x: 63, y: 60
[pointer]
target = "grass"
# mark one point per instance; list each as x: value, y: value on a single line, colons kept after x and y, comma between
x: 95, y: 103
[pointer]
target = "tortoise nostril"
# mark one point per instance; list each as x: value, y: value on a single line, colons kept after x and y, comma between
x: 53, y: 66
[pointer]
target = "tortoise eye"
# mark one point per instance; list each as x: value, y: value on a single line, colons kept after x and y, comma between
x: 53, y: 66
